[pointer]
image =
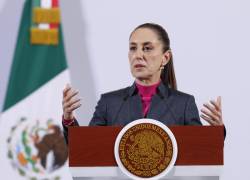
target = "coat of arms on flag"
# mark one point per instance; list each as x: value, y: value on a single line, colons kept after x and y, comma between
x: 37, y: 148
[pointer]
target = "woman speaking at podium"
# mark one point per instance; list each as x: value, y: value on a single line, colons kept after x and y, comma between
x: 154, y: 92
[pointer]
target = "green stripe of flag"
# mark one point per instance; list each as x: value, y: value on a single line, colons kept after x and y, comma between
x: 33, y: 65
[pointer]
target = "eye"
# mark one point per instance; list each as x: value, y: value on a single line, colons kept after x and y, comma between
x: 132, y: 48
x: 147, y: 48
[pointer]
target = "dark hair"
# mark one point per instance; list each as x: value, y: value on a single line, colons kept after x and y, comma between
x: 168, y: 74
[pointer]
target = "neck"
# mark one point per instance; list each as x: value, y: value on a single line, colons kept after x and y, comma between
x: 147, y: 82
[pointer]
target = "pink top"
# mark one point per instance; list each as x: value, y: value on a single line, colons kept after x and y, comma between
x: 146, y: 93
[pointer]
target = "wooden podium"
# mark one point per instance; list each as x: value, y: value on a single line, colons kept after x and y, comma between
x: 200, y: 152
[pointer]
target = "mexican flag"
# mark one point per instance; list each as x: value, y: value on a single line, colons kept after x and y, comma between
x: 31, y: 143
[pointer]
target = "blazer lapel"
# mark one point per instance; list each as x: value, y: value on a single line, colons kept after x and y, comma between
x: 134, y: 104
x: 158, y: 106
x: 135, y: 107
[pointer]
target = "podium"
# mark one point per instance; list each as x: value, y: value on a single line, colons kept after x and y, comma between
x: 200, y: 152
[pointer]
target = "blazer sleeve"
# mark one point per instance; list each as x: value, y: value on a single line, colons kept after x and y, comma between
x: 100, y: 115
x: 65, y: 130
x: 191, y: 113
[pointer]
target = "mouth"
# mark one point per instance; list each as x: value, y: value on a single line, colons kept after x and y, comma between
x: 139, y: 66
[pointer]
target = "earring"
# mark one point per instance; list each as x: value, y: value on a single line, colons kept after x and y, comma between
x: 162, y: 67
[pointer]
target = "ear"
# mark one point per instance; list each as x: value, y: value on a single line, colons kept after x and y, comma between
x: 166, y: 57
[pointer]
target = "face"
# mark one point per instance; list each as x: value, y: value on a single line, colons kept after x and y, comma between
x: 146, y: 55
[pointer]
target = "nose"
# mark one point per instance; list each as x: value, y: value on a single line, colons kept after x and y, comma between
x: 138, y: 54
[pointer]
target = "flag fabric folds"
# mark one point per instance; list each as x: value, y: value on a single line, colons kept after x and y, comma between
x: 32, y: 145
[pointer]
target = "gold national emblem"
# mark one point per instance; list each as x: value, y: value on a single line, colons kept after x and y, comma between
x: 145, y: 150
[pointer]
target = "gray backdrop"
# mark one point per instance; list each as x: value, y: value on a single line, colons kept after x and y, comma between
x: 210, y: 42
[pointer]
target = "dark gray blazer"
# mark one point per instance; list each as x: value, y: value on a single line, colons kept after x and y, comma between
x: 123, y: 106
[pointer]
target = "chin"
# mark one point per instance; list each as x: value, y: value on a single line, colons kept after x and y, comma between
x: 140, y: 75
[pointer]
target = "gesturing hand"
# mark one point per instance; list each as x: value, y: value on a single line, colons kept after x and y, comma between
x: 211, y: 112
x: 70, y: 102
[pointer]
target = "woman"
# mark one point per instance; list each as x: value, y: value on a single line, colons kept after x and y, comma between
x: 154, y: 93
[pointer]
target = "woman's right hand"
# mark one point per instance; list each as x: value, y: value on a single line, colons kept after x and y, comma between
x: 70, y: 102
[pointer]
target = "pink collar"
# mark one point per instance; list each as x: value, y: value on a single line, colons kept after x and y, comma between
x: 147, y: 91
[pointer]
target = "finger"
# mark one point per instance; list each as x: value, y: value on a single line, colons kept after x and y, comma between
x: 212, y: 109
x: 71, y: 102
x: 218, y: 109
x: 216, y: 105
x: 212, y: 121
x: 215, y: 119
x: 209, y: 120
x: 66, y: 89
x: 210, y: 115
x: 70, y: 95
x: 219, y: 101
x: 73, y: 107
x: 69, y: 109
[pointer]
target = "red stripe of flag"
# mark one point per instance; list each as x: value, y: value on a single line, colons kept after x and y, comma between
x: 54, y: 3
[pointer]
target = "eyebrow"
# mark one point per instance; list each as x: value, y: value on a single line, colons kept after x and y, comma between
x: 145, y: 43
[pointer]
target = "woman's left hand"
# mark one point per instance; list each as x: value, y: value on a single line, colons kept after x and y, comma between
x: 211, y: 112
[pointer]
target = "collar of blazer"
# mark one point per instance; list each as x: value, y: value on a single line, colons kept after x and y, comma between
x: 162, y: 90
